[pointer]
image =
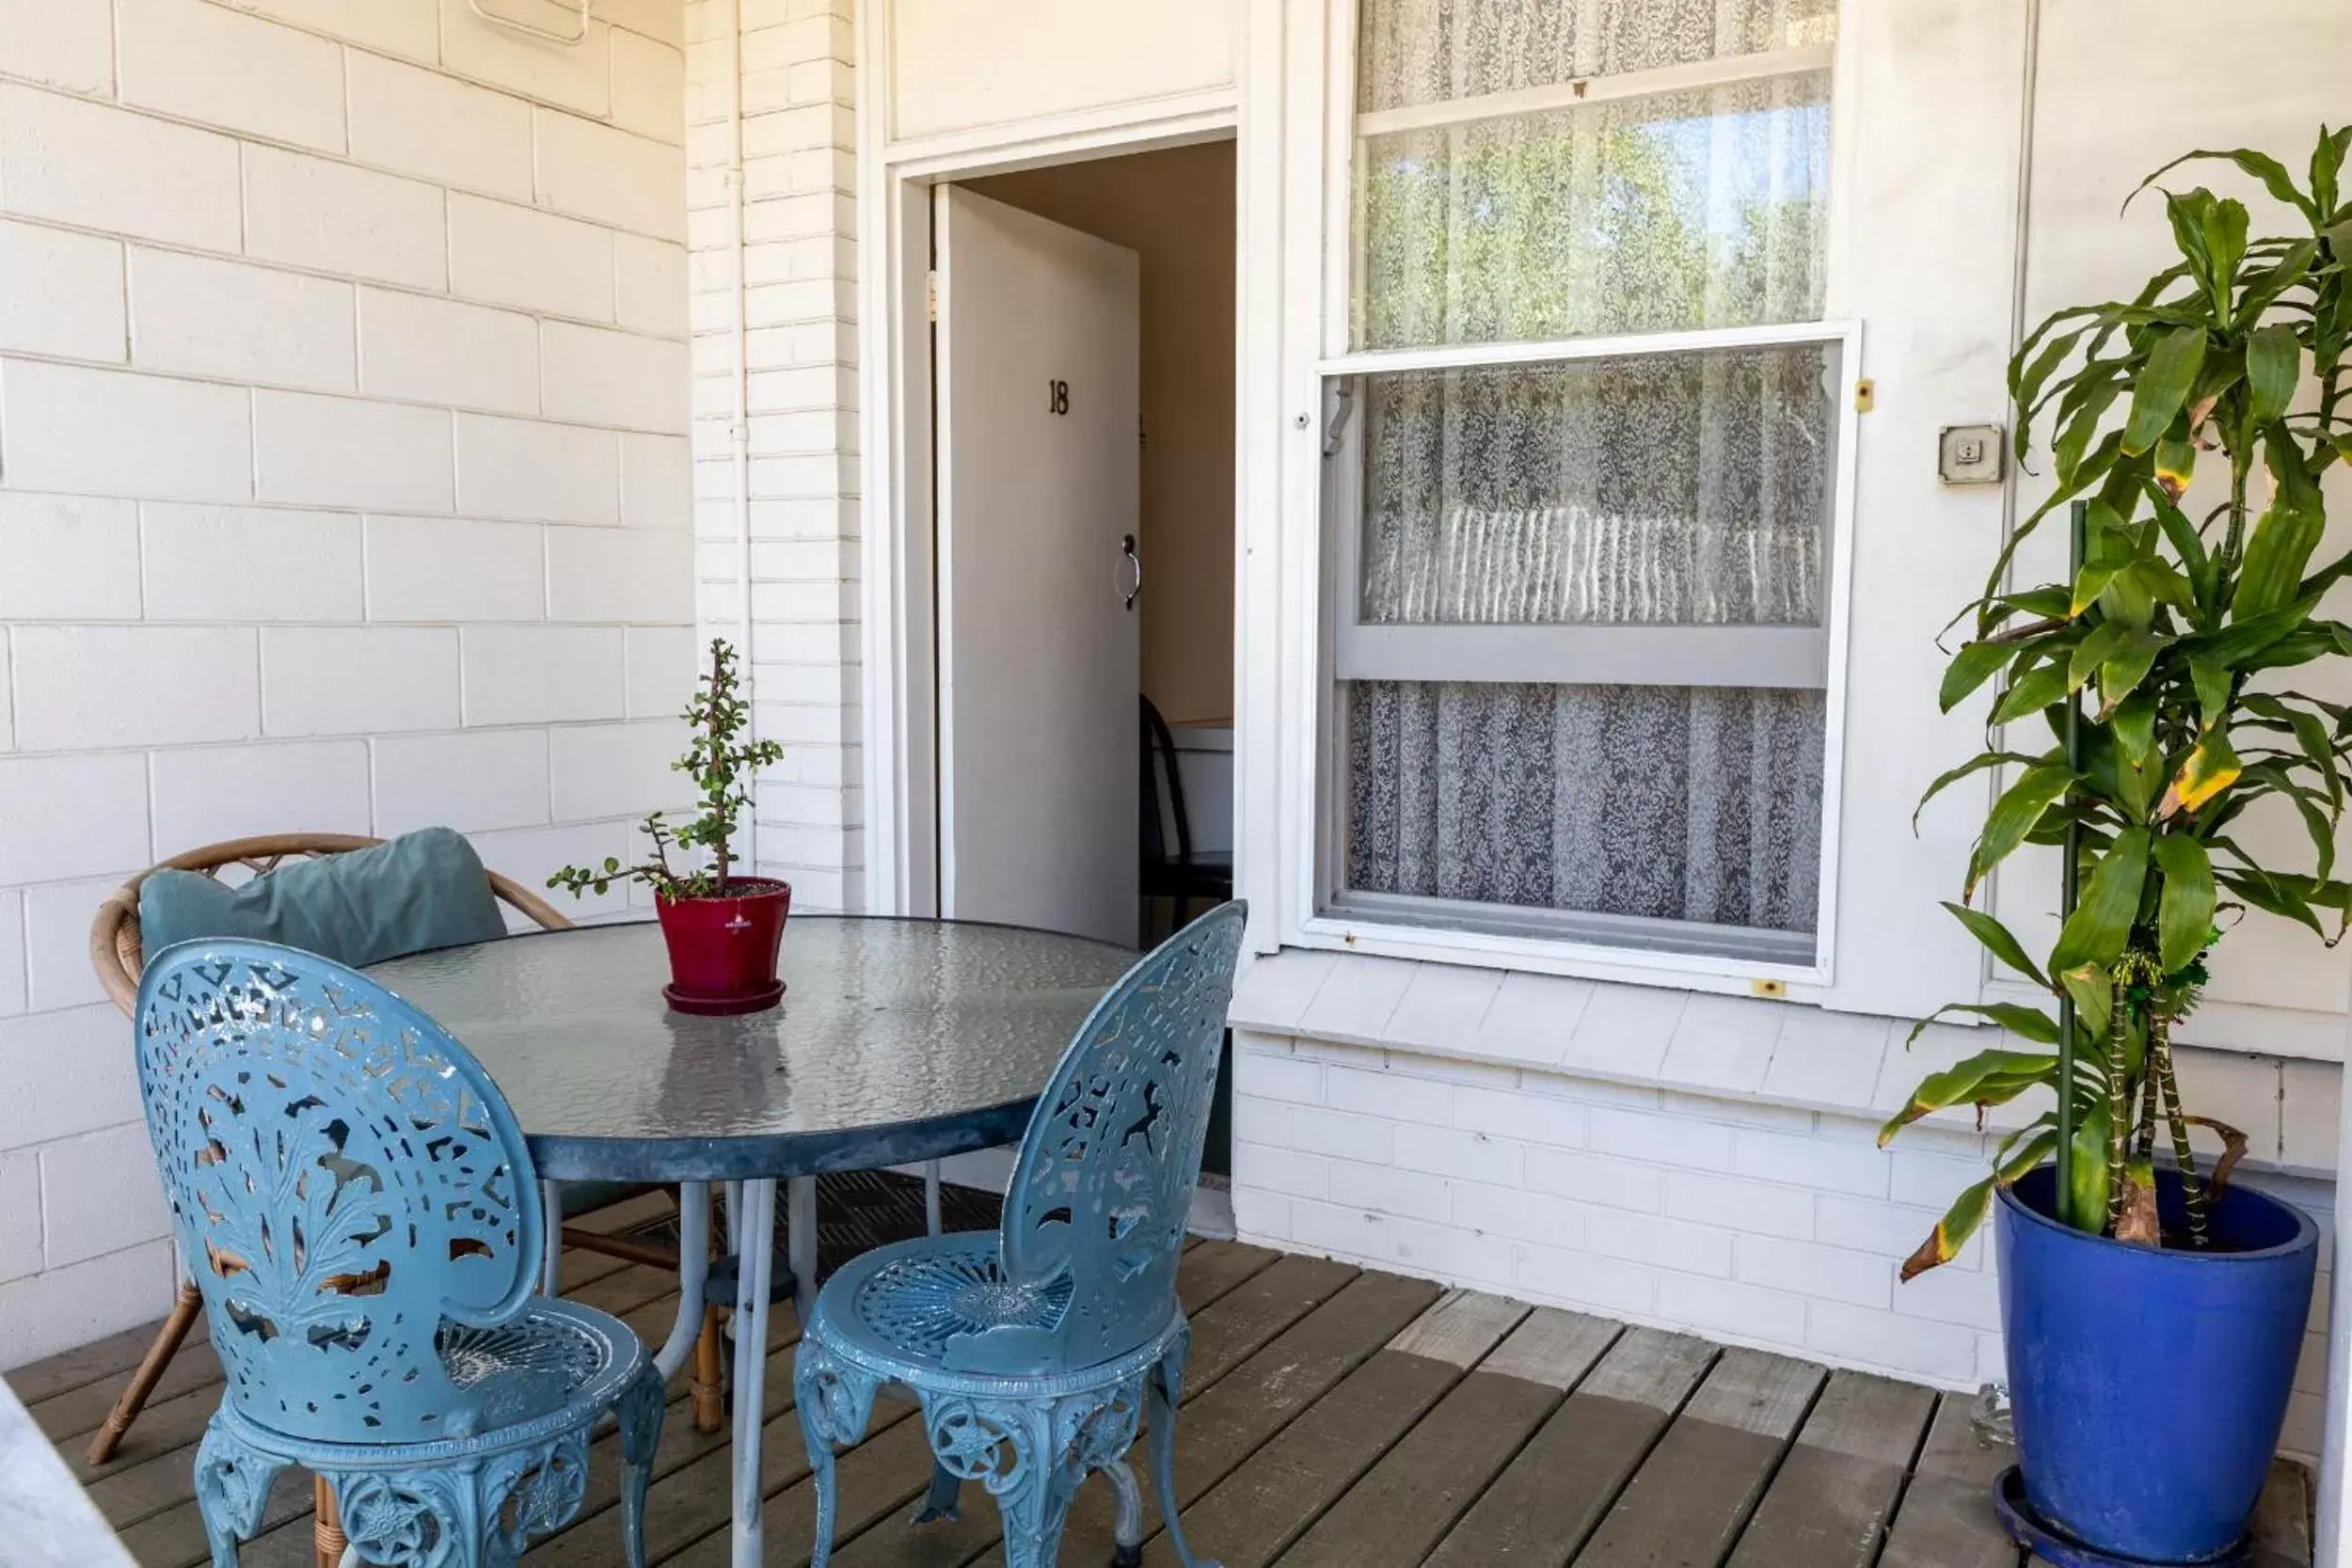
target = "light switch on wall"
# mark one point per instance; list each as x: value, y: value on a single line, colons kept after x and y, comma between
x: 1969, y: 454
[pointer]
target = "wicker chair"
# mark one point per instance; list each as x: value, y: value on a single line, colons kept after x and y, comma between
x: 119, y: 958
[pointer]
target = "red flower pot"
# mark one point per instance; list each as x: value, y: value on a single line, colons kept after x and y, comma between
x: 723, y: 951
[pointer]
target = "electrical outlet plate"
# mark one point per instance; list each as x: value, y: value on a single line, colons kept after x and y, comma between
x: 1969, y: 454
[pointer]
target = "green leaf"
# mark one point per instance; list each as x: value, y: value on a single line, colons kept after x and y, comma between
x: 2162, y: 386
x: 2078, y: 420
x: 1973, y: 1081
x: 2027, y: 382
x: 2327, y: 164
x: 2262, y: 166
x: 1996, y: 939
x: 2212, y: 683
x: 2121, y: 675
x: 2263, y: 291
x: 2093, y: 996
x: 2273, y: 362
x: 2013, y: 817
x: 1977, y: 764
x: 2029, y: 1023
x: 2266, y: 893
x: 2037, y: 689
x: 2094, y: 650
x: 2134, y: 725
x: 2241, y: 645
x: 2285, y: 537
x: 2185, y: 916
x: 2087, y: 1203
x: 2095, y: 933
x: 2225, y: 242
x: 1963, y: 1219
x: 1971, y: 668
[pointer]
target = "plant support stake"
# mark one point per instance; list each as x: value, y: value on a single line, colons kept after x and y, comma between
x: 2070, y: 874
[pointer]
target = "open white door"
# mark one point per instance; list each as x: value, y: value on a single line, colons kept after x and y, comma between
x: 1041, y: 666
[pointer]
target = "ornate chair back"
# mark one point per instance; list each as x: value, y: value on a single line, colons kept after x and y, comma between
x: 1103, y: 1185
x: 351, y: 1190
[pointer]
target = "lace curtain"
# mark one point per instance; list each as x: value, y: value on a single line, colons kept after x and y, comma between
x: 1705, y: 208
x: 1416, y: 52
x: 1683, y: 489
x: 1688, y: 803
x: 1671, y: 489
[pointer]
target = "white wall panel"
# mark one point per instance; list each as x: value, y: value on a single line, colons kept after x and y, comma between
x: 957, y: 65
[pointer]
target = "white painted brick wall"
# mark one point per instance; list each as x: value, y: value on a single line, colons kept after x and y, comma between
x: 1731, y: 1217
x: 321, y: 318
x: 799, y: 263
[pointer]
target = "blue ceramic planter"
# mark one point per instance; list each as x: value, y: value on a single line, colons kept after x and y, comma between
x: 2149, y: 1386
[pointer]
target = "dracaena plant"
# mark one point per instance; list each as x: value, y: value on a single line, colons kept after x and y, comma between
x: 2174, y: 653
x: 720, y: 760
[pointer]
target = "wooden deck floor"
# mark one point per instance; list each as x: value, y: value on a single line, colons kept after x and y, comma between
x: 1334, y: 1418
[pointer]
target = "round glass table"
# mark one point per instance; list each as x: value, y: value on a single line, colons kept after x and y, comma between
x: 897, y: 1041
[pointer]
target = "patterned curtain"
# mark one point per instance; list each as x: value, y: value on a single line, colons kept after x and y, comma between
x: 1695, y: 803
x: 1679, y: 489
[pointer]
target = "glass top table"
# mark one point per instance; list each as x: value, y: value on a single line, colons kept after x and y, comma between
x: 898, y: 1040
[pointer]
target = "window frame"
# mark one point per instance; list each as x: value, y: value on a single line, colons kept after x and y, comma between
x: 1557, y: 941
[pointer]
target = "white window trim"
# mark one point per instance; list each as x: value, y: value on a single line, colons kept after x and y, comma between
x: 1325, y: 85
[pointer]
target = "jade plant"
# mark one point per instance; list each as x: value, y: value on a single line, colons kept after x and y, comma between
x: 2152, y: 707
x: 720, y: 760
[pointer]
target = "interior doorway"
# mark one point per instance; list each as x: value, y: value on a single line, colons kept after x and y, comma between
x: 1084, y: 628
x: 1037, y: 753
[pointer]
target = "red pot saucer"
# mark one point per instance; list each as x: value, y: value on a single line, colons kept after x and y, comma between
x: 723, y: 1006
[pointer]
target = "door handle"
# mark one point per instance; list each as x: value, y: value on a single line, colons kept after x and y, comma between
x: 1134, y: 565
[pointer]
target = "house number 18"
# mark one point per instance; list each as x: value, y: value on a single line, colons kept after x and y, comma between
x: 1058, y: 397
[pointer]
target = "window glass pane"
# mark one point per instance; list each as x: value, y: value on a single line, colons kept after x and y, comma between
x: 1413, y: 52
x: 1684, y: 803
x: 1684, y: 209
x: 1670, y: 489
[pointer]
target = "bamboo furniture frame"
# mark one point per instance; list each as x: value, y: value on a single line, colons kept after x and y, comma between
x: 118, y: 955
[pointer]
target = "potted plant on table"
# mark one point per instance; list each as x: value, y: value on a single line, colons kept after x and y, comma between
x: 724, y: 930
x: 2153, y: 1314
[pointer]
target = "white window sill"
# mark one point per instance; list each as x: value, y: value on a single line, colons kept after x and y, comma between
x: 1782, y: 1053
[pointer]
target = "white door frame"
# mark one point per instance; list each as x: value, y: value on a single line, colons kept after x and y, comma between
x: 898, y: 608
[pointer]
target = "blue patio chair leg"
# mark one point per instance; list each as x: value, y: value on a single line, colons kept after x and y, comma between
x: 944, y: 1501
x: 1127, y: 1529
x: 232, y: 1485
x: 1033, y: 1526
x: 1166, y: 1383
x: 552, y: 1254
x: 836, y: 1401
x: 641, y: 1411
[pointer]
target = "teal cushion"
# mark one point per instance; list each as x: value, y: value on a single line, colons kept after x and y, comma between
x: 422, y: 890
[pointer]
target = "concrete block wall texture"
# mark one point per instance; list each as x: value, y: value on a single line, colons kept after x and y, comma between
x: 799, y: 287
x: 345, y: 483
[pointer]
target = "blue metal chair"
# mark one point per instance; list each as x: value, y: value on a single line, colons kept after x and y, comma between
x: 361, y: 1215
x: 1034, y: 1351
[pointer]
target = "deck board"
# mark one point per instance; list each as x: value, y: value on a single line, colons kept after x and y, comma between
x: 1829, y: 1504
x: 1334, y: 1418
x: 1547, y: 1501
x: 1248, y: 1517
x: 1687, y: 1503
x: 1946, y: 1518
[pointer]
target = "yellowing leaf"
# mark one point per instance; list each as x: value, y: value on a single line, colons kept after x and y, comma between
x: 2208, y: 771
